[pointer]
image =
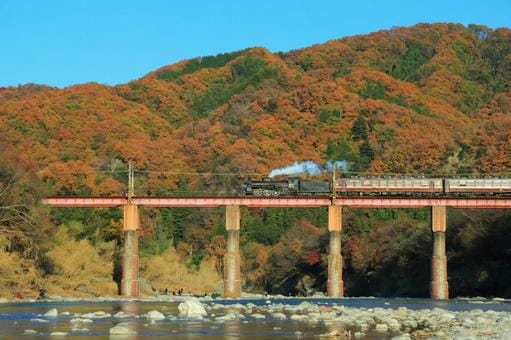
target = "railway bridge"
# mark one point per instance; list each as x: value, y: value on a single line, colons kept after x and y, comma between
x: 232, y: 288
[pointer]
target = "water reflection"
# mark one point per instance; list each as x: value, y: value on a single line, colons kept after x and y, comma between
x: 232, y: 329
x: 130, y: 308
x: 128, y: 328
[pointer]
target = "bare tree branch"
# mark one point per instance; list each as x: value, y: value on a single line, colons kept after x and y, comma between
x: 9, y: 183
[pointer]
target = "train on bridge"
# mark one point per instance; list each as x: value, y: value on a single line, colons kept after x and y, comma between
x: 344, y: 187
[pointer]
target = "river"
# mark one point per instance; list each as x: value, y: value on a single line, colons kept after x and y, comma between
x: 255, y: 320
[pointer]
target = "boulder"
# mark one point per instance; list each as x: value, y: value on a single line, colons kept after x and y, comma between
x: 52, y: 313
x: 80, y: 320
x: 97, y: 315
x: 381, y: 327
x: 192, y: 309
x: 230, y: 316
x: 122, y: 329
x: 299, y: 317
x: 279, y: 316
x: 80, y: 329
x: 235, y: 306
x: 121, y: 315
x: 155, y: 315
x: 58, y: 334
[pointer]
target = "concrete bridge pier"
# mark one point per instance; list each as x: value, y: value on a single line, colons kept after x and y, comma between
x: 129, y: 283
x: 232, y: 286
x: 335, y: 285
x: 439, y: 283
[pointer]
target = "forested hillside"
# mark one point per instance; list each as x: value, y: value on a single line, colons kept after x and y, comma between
x: 432, y: 99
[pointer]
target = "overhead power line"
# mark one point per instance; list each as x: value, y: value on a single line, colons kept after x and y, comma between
x: 199, y: 173
x: 87, y: 172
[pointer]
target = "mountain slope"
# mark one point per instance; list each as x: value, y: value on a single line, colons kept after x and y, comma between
x: 430, y: 99
x: 433, y: 99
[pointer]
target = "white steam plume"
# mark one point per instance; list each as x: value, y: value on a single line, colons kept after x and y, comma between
x: 308, y: 167
x: 343, y: 165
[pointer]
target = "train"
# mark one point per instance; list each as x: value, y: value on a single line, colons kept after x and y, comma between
x: 376, y: 186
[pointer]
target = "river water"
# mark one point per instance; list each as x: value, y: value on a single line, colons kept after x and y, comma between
x: 18, y: 317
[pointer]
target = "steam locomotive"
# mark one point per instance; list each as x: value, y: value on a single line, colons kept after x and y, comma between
x: 379, y: 186
x: 289, y: 187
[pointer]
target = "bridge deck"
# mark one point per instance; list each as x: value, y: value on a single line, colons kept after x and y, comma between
x: 290, y: 202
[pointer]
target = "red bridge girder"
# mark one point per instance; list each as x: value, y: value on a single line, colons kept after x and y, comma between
x: 462, y: 203
x: 290, y: 202
x: 85, y: 202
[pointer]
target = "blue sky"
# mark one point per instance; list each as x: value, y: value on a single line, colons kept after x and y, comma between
x: 65, y: 42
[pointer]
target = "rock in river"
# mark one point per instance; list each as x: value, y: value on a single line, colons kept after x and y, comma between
x: 192, y: 309
x: 52, y: 313
x: 122, y: 329
x: 155, y: 315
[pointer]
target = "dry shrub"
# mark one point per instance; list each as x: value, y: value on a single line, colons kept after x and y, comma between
x: 79, y: 268
x: 168, y: 271
x: 16, y: 274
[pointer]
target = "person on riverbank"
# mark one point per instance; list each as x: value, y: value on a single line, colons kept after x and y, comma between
x: 42, y: 294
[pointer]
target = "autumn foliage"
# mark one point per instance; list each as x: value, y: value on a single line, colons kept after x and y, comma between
x: 430, y: 99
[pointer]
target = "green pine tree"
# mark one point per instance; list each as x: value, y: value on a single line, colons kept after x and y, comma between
x: 359, y: 129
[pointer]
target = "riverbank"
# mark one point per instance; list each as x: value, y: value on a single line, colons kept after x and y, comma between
x: 262, y: 317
